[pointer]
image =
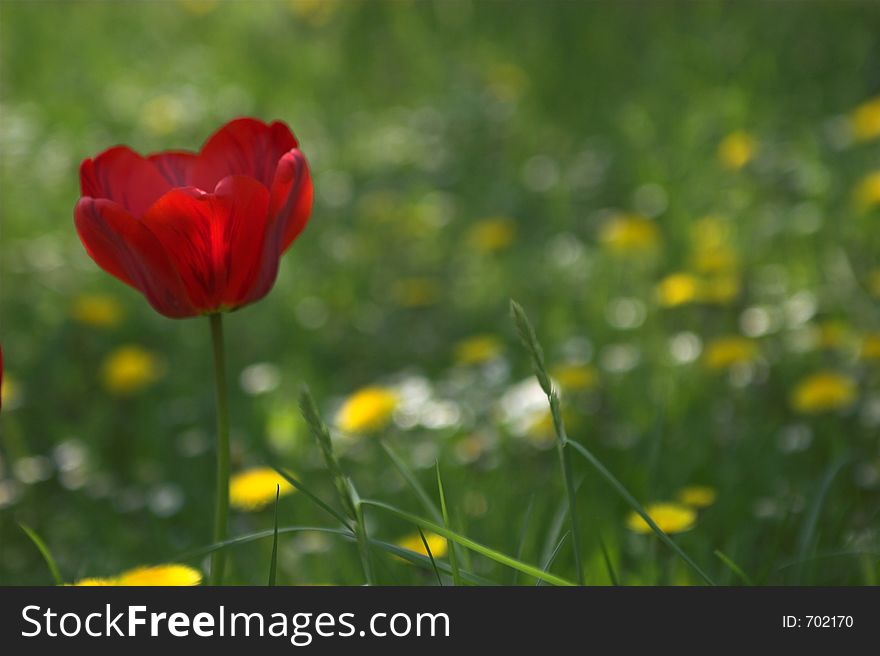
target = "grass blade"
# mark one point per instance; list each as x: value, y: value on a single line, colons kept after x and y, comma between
x: 314, y: 497
x: 430, y: 555
x: 527, y: 516
x: 344, y: 486
x: 453, y: 561
x: 736, y: 569
x: 413, y: 482
x: 273, y: 567
x: 44, y: 551
x: 808, y: 528
x: 612, y: 574
x: 466, y: 542
x: 635, y: 505
x: 549, y: 563
x: 363, y: 539
x: 410, y: 556
x: 530, y: 341
x: 321, y: 434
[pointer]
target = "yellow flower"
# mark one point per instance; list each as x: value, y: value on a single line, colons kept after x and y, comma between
x: 575, y: 377
x: 10, y: 392
x: 870, y: 347
x: 130, y: 369
x: 865, y: 120
x: 697, y: 496
x: 96, y: 310
x: 710, y: 232
x: 678, y: 289
x: 833, y: 334
x: 437, y: 544
x: 724, y: 352
x: 541, y: 430
x: 493, y: 234
x: 867, y: 193
x: 628, y: 233
x: 737, y: 149
x: 720, y: 259
x: 94, y: 582
x: 823, y: 391
x: 254, y: 488
x: 415, y: 292
x: 670, y: 517
x: 158, y: 575
x: 161, y: 575
x: 477, y: 349
x: 367, y: 410
x: 719, y: 289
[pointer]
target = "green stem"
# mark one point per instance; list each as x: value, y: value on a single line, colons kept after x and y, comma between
x: 565, y: 462
x: 221, y: 508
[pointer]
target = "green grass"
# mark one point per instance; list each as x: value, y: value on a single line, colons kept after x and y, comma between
x: 421, y: 121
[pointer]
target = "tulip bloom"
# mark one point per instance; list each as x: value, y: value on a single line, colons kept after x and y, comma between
x: 197, y: 233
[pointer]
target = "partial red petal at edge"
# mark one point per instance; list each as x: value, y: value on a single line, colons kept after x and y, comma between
x: 126, y: 249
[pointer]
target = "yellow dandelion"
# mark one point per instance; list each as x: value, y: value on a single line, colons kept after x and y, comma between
x: 415, y: 292
x: 720, y: 289
x: 870, y: 347
x: 715, y: 260
x: 254, y: 488
x: 541, y: 431
x: 629, y: 233
x: 130, y: 369
x: 678, y: 289
x: 710, y: 232
x: 94, y: 582
x: 436, y: 543
x: 865, y: 120
x: 10, y: 392
x: 96, y: 310
x: 575, y: 377
x: 477, y: 349
x: 367, y: 410
x: 491, y: 235
x: 156, y: 575
x: 737, y: 149
x: 697, y: 496
x: 670, y: 517
x: 833, y: 334
x: 867, y: 192
x: 824, y: 391
x: 161, y: 575
x: 727, y: 351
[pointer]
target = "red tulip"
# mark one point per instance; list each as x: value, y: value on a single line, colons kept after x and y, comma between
x: 197, y: 233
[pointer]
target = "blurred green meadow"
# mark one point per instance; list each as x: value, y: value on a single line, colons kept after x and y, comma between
x: 685, y: 198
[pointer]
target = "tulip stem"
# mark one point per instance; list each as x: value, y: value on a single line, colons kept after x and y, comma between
x: 221, y: 508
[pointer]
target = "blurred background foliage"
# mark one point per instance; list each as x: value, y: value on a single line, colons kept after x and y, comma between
x: 685, y: 198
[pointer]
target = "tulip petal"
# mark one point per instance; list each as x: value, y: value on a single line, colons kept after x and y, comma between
x: 121, y: 175
x: 292, y: 194
x: 175, y: 166
x: 244, y: 146
x: 214, y: 240
x: 122, y: 246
